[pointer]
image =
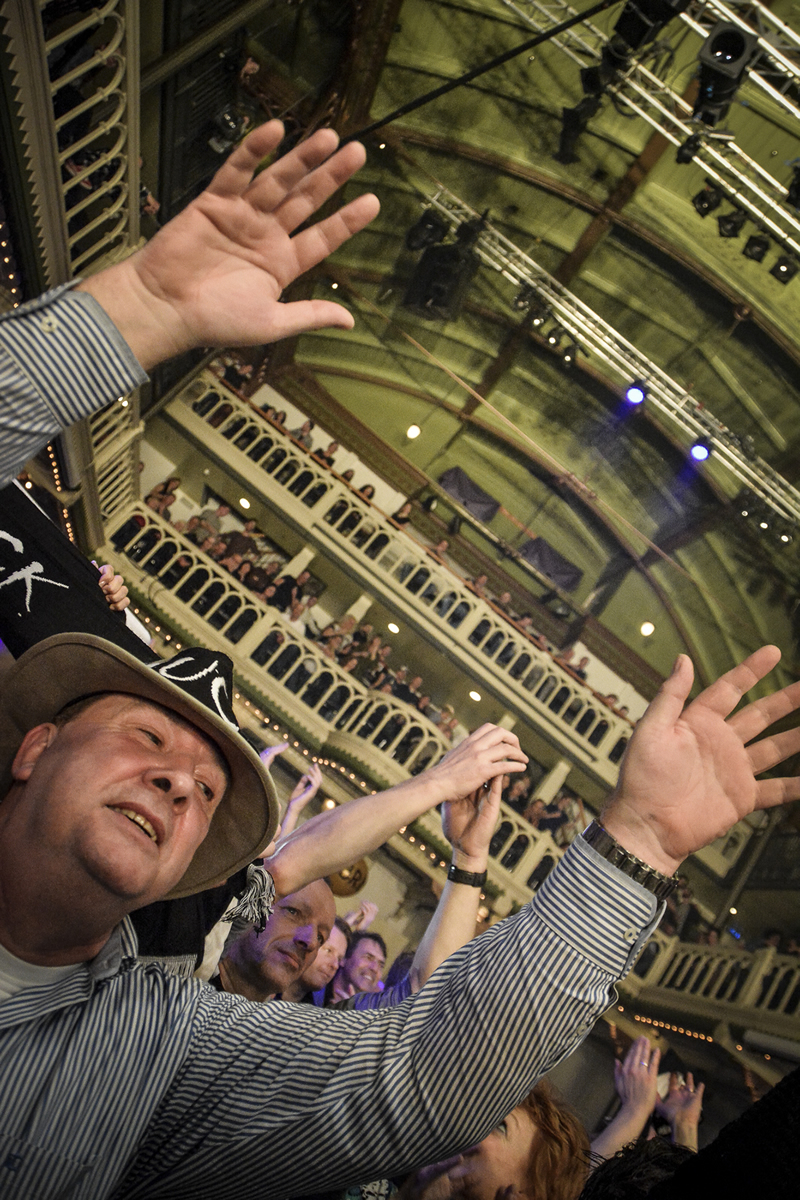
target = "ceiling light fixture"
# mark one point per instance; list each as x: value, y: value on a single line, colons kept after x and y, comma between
x: 647, y: 628
x: 474, y: 695
x: 413, y: 431
x: 785, y: 268
x: 244, y: 503
x: 555, y: 335
x: 393, y: 628
x: 571, y: 353
x: 723, y: 59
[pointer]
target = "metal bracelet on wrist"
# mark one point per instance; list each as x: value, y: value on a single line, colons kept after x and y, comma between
x: 608, y: 847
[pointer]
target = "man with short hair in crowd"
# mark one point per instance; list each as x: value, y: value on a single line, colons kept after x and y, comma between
x: 363, y: 967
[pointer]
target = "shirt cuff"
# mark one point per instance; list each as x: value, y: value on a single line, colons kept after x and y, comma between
x: 602, y: 913
x: 73, y: 356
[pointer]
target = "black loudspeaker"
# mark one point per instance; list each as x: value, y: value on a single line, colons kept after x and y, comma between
x: 723, y: 58
x: 439, y: 285
x: 642, y: 21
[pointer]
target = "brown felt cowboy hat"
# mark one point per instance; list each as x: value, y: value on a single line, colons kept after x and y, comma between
x: 197, y: 684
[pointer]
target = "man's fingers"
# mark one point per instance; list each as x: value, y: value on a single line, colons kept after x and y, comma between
x: 724, y: 694
x: 235, y: 176
x: 770, y: 792
x: 759, y: 715
x: 314, y: 244
x: 770, y: 751
x: 315, y: 187
x: 667, y: 704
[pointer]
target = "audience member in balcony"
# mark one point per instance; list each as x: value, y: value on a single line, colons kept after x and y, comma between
x: 231, y: 562
x: 303, y: 434
x: 516, y: 792
x: 326, y: 456
x: 261, y: 577
x: 244, y: 571
x: 287, y: 589
x: 194, y: 531
x: 331, y: 645
x: 363, y: 967
x: 310, y: 622
x: 243, y: 541
x: 555, y: 815
x: 437, y: 552
x: 403, y: 514
x: 366, y: 491
x: 534, y: 812
x: 503, y: 603
x: 212, y: 518
x: 478, y: 585
x: 347, y: 476
x: 236, y: 374
x: 164, y: 495
x: 362, y: 635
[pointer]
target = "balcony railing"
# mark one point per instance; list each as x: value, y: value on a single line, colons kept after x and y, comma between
x: 758, y: 990
x: 384, y: 738
x: 390, y: 563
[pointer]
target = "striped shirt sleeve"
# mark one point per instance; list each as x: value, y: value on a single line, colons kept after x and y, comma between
x: 61, y: 359
x: 292, y: 1098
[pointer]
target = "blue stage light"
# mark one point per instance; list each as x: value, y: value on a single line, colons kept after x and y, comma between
x: 636, y: 392
x: 700, y: 450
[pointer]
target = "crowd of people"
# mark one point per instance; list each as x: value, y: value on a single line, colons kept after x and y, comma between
x: 134, y: 815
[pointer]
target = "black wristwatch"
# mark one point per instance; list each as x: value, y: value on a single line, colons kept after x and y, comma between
x: 471, y: 878
x: 609, y: 848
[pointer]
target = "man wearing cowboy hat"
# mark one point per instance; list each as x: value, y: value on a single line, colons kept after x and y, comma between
x: 124, y: 782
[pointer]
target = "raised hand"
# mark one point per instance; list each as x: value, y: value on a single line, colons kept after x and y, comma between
x: 114, y: 588
x: 213, y: 276
x: 689, y: 774
x: 682, y: 1107
x: 636, y: 1077
x: 468, y: 825
x: 490, y: 751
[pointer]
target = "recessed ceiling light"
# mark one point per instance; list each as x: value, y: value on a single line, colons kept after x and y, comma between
x: 393, y: 628
x: 647, y: 628
x: 244, y: 503
x: 334, y: 286
x: 413, y: 431
x: 474, y: 695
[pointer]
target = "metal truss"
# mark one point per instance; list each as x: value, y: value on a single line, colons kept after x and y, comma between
x: 741, y: 179
x: 623, y: 361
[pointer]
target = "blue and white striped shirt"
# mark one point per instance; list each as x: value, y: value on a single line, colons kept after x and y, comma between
x: 61, y: 359
x: 124, y: 1081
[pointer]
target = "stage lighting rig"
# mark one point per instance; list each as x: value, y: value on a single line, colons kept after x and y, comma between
x: 571, y: 353
x: 687, y: 150
x: 555, y: 335
x: 636, y: 392
x: 724, y: 57
x: 707, y: 200
x: 700, y: 450
x: 430, y: 228
x: 731, y: 224
x: 573, y: 124
x: 785, y: 268
x: 756, y: 247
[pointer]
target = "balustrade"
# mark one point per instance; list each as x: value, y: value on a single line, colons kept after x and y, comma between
x: 341, y: 519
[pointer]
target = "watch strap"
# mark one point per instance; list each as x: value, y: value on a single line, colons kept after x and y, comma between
x: 637, y: 869
x: 471, y: 878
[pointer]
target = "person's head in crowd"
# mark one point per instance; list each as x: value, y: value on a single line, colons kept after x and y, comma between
x: 303, y: 578
x: 310, y: 601
x: 416, y: 683
x: 280, y: 417
x: 403, y: 512
x: 272, y: 568
x: 367, y: 491
x: 259, y: 965
x: 633, y: 1172
x: 525, y: 620
x: 249, y: 525
x: 154, y: 503
x: 330, y: 957
x: 350, y: 664
x: 387, y: 688
x: 365, y: 962
x: 772, y: 937
x: 296, y: 610
x: 441, y: 547
x: 172, y: 484
x: 217, y: 551
x: 244, y: 569
x: 540, y: 1151
x: 423, y: 703
x: 504, y: 599
x: 306, y: 428
x: 518, y: 787
x: 208, y: 543
x: 192, y: 523
x: 374, y: 645
x: 535, y: 811
x: 583, y: 662
x: 347, y: 475
x: 385, y: 652
x: 330, y: 449
x: 346, y: 623
x: 400, y: 674
x: 223, y: 510
x: 231, y: 562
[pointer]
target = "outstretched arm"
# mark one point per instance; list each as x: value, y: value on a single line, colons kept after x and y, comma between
x: 468, y: 825
x: 303, y: 793
x: 335, y: 838
x: 689, y: 774
x: 636, y: 1082
x: 213, y: 276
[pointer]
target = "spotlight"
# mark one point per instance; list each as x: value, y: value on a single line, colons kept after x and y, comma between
x: 707, y: 200
x: 784, y: 532
x: 688, y: 149
x: 700, y: 450
x: 756, y: 247
x: 412, y: 432
x: 523, y: 298
x: 430, y: 228
x: 642, y: 20
x: 538, y: 314
x: 732, y: 223
x: 723, y: 58
x: 636, y: 392
x: 555, y: 335
x: 571, y: 353
x: 785, y: 268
